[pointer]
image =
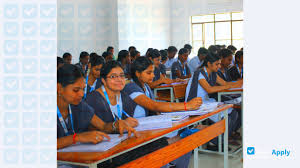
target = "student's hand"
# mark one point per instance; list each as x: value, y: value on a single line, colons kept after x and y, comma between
x: 122, y: 126
x: 237, y: 84
x: 178, y: 80
x: 132, y: 122
x: 91, y: 137
x: 194, y: 104
x: 167, y: 80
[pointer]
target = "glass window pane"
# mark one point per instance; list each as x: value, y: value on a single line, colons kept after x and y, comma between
x: 203, y: 18
x: 223, y: 16
x: 237, y: 30
x: 223, y: 42
x: 209, y: 31
x: 197, y: 32
x: 238, y: 16
x: 223, y: 31
x: 196, y: 46
x: 238, y: 44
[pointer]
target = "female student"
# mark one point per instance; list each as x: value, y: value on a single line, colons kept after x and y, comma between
x: 92, y: 79
x: 108, y: 56
x: 236, y: 71
x: 180, y: 68
x: 226, y: 59
x: 142, y: 73
x: 159, y: 70
x: 134, y: 54
x: 74, y: 116
x: 164, y: 56
x: 110, y: 102
x: 203, y: 83
x: 107, y: 100
x: 124, y: 60
x: 83, y: 62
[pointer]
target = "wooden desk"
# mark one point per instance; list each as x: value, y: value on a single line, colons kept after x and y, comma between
x: 174, y: 151
x: 170, y: 92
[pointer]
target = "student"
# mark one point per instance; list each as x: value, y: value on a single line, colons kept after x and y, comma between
x: 67, y: 58
x: 107, y: 100
x: 92, y: 79
x: 203, y: 83
x: 108, y: 56
x: 180, y: 69
x: 131, y: 48
x: 213, y: 49
x: 226, y: 59
x: 111, y: 102
x: 188, y: 47
x: 110, y: 49
x: 83, y: 62
x: 134, y: 54
x: 142, y: 72
x: 75, y: 116
x: 171, y: 54
x: 232, y: 48
x: 60, y: 62
x: 236, y: 71
x: 148, y: 52
x: 164, y: 56
x: 159, y: 70
x: 124, y: 60
x: 196, y: 62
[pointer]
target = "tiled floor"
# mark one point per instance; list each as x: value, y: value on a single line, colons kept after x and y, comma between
x: 208, y: 160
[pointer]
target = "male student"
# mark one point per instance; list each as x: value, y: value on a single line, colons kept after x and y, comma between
x: 196, y: 62
x: 83, y: 62
x: 67, y: 58
x: 171, y: 54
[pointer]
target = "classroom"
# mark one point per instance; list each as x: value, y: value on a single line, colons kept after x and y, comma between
x: 150, y: 83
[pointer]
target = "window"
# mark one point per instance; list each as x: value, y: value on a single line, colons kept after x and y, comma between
x: 221, y: 28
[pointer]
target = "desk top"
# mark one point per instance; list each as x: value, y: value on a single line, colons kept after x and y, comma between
x: 144, y: 136
x: 185, y: 82
x: 233, y: 90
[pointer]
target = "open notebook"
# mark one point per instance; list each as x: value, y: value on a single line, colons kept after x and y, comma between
x: 100, y: 147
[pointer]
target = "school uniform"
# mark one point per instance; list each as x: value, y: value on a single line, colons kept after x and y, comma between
x: 158, y: 71
x: 79, y: 65
x: 194, y: 89
x: 170, y: 62
x: 178, y: 66
x: 89, y: 88
x: 82, y: 115
x: 134, y: 90
x: 105, y: 111
x: 235, y: 73
x: 194, y: 63
x: 225, y: 76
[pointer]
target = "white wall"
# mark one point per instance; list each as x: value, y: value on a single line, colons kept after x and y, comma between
x: 181, y: 12
x: 92, y: 25
x: 144, y: 24
x: 89, y: 25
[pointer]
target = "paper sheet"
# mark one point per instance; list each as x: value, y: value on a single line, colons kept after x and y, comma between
x: 154, y: 122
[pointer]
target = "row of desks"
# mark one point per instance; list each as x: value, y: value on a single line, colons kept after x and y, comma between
x: 164, y: 155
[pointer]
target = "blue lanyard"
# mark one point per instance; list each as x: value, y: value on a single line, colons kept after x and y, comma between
x: 184, y: 69
x: 62, y: 122
x: 119, y: 114
x: 86, y: 86
x: 241, y: 73
x: 147, y: 91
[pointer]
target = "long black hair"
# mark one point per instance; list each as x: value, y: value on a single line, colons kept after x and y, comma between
x: 68, y: 74
x: 139, y: 65
x: 238, y: 56
x: 211, y: 57
x: 122, y: 55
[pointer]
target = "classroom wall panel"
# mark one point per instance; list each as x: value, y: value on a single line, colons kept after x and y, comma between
x: 89, y: 25
x: 144, y: 24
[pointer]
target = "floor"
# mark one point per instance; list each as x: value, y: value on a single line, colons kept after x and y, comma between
x: 209, y: 160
